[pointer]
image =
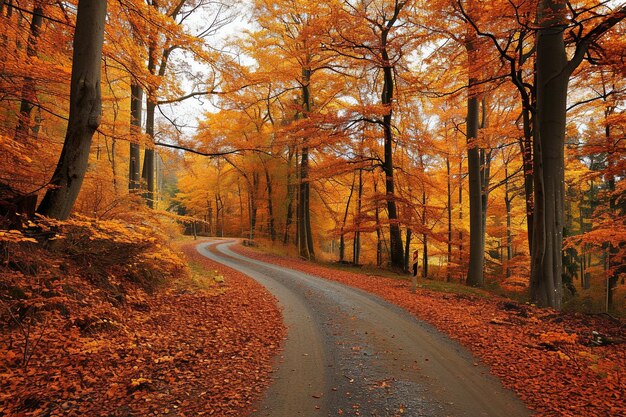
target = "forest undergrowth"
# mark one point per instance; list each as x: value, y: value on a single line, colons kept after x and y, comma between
x: 106, y: 318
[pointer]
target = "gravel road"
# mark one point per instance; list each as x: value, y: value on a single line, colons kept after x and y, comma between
x: 350, y: 353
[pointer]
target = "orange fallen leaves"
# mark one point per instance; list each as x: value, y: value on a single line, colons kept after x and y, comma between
x: 187, y: 352
x: 539, y: 353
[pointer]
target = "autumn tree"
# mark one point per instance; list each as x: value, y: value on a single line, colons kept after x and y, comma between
x: 374, y: 34
x: 85, y: 108
x: 554, y: 70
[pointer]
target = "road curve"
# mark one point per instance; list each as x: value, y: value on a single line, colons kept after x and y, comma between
x: 351, y: 353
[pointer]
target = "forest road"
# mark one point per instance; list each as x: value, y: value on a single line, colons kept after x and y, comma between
x: 351, y: 353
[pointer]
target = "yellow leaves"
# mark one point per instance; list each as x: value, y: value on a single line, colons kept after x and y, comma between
x: 588, y: 355
x: 14, y: 236
x: 138, y: 382
x: 561, y: 355
x: 558, y: 338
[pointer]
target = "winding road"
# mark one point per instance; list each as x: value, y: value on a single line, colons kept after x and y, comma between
x: 351, y: 353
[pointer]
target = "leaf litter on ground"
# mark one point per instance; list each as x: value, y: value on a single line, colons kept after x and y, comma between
x: 548, y: 358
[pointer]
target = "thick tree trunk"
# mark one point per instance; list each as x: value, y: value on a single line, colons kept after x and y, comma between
x: 136, y: 107
x: 85, y: 110
x: 29, y: 92
x: 546, y: 286
x: 476, y: 259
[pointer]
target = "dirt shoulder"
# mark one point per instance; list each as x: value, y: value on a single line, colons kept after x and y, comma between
x: 546, y: 357
x: 187, y: 348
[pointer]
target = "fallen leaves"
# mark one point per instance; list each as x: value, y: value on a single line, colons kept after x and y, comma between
x: 549, y: 359
x: 178, y: 351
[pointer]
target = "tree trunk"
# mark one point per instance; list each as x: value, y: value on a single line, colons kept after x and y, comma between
x: 85, y: 110
x: 136, y: 107
x: 476, y: 260
x: 305, y: 236
x: 395, y: 238
x: 546, y: 286
x: 485, y: 176
x: 461, y: 257
x: 290, y: 195
x: 356, y: 245
x: 407, y: 251
x: 147, y: 174
x: 342, y: 243
x: 29, y: 94
x: 449, y: 212
x: 526, y: 146
x: 379, y: 244
x: 615, y: 267
x: 270, y: 204
x: 509, y: 237
x: 240, y: 207
x: 254, y: 187
x: 424, y: 237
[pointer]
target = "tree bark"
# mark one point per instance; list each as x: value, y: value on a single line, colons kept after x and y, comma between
x: 29, y: 92
x: 254, y: 187
x: 526, y: 146
x: 136, y: 107
x: 553, y: 71
x: 509, y: 237
x: 379, y: 243
x: 290, y: 196
x: 476, y: 259
x: 615, y: 266
x: 270, y: 204
x: 407, y: 251
x: 342, y: 243
x: 546, y: 285
x: 449, y: 212
x: 485, y: 176
x: 461, y: 257
x: 85, y: 110
x: 395, y: 237
x: 356, y: 245
x: 424, y: 236
x: 147, y: 173
x: 305, y: 236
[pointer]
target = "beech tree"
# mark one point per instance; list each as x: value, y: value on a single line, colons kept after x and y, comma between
x: 554, y: 70
x: 85, y: 108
